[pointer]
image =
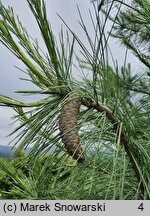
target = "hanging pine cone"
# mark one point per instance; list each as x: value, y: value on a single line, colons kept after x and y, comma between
x: 68, y: 129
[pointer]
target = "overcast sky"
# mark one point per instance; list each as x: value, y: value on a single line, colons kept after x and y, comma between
x: 9, y: 75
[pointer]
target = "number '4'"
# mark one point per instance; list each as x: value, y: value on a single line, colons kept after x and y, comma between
x: 141, y: 207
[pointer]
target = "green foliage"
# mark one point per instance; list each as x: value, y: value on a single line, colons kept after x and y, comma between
x: 5, y: 185
x: 132, y: 28
x: 51, y: 177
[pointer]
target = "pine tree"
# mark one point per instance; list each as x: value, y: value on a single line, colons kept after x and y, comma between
x: 132, y: 28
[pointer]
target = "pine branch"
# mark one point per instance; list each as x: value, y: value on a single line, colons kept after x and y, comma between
x: 123, y: 139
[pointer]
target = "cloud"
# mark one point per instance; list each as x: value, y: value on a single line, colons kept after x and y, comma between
x: 5, y: 120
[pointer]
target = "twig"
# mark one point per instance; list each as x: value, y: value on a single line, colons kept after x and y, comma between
x: 136, y: 90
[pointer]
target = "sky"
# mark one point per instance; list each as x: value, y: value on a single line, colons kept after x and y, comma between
x: 9, y: 74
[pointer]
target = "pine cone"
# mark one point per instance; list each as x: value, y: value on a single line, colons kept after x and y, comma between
x: 68, y: 129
